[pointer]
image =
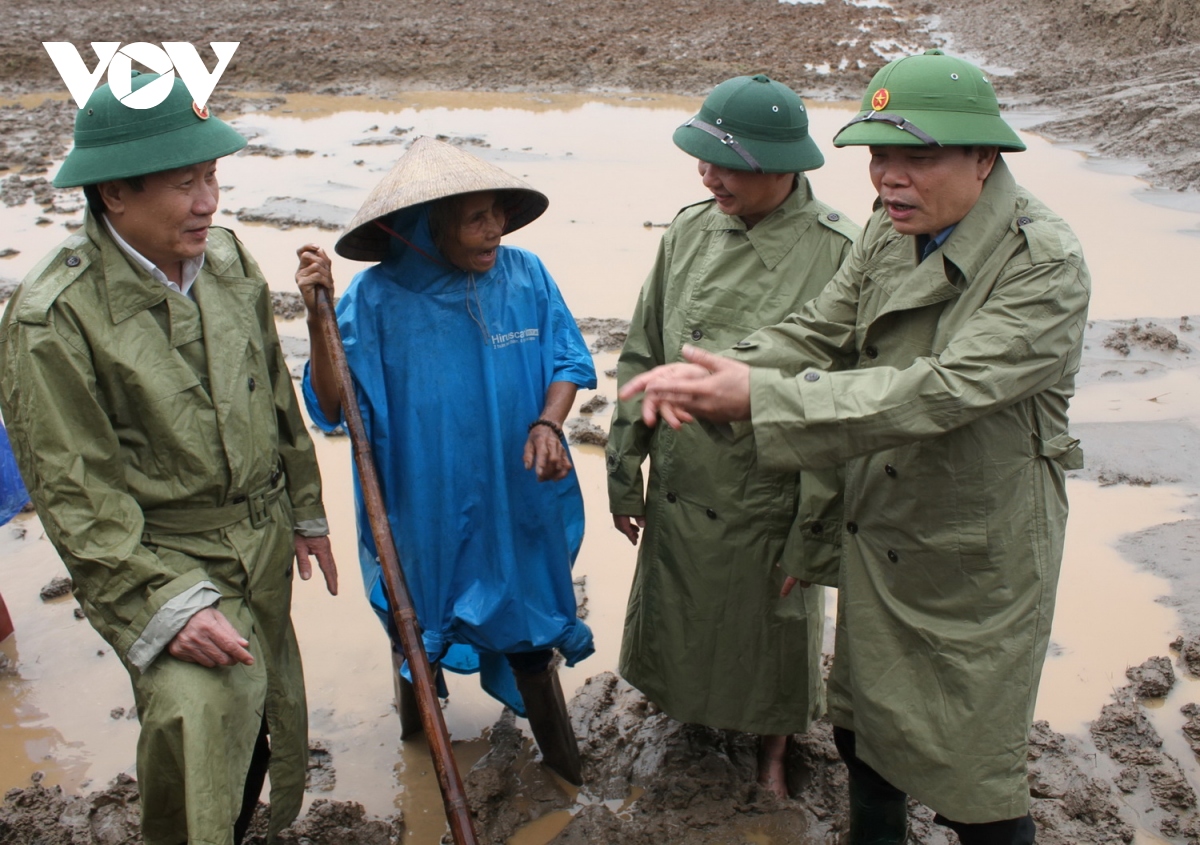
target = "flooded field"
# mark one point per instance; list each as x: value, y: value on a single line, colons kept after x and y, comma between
x: 613, y: 178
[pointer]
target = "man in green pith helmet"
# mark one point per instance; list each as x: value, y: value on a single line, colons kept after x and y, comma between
x: 937, y: 367
x: 155, y: 425
x: 710, y: 634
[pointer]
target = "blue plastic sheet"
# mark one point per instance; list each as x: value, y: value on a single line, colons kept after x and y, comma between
x: 12, y: 490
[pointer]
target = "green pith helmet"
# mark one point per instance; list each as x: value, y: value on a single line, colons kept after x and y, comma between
x: 115, y: 141
x: 751, y: 123
x: 929, y: 100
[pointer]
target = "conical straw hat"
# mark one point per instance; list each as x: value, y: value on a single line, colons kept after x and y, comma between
x: 430, y: 170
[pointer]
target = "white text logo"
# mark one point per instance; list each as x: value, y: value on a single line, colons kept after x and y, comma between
x: 172, y: 56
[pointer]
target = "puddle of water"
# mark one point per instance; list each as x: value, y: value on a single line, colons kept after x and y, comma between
x: 1108, y: 616
x: 608, y: 166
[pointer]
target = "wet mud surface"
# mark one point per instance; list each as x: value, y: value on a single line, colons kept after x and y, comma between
x: 1115, y: 75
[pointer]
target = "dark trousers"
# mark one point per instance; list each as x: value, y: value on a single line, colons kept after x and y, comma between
x: 255, y: 778
x: 871, y: 790
x: 530, y: 662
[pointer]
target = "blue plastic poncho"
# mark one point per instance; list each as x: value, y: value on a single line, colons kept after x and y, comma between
x: 450, y: 368
x: 12, y: 490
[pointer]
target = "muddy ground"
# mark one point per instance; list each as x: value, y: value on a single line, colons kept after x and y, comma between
x: 1115, y: 76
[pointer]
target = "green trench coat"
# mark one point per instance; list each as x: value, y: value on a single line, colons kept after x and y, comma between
x: 131, y: 406
x: 943, y: 387
x: 707, y: 636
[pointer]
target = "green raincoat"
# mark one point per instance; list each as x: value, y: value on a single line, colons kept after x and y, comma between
x: 707, y: 636
x: 162, y: 445
x: 943, y: 388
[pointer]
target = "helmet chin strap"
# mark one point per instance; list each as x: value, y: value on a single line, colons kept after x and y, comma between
x: 897, y: 121
x: 728, y: 140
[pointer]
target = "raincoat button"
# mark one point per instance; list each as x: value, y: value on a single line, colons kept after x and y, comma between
x: 72, y: 260
x: 890, y: 470
x: 710, y: 513
x: 811, y: 376
x: 1023, y: 221
x: 852, y: 527
x: 671, y: 497
x: 892, y: 556
x: 833, y: 217
x: 871, y: 352
x: 697, y: 334
x: 816, y: 528
x: 250, y: 382
x: 237, y: 500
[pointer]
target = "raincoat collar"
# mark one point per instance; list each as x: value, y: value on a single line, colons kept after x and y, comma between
x: 977, y: 235
x: 128, y: 288
x: 916, y: 284
x: 774, y: 237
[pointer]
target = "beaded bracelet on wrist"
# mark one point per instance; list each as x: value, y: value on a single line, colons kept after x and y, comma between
x: 549, y: 424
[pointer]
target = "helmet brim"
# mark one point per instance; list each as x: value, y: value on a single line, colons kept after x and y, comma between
x: 772, y: 156
x: 950, y: 129
x: 204, y: 140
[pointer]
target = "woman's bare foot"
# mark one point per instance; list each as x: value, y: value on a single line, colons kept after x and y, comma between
x: 771, y: 776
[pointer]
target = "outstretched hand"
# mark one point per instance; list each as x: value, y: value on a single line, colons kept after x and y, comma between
x: 707, y: 386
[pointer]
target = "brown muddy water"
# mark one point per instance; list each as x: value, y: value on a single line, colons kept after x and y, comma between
x: 609, y: 168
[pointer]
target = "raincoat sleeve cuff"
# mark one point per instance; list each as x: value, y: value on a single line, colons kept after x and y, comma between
x: 306, y: 514
x: 318, y: 527
x: 782, y: 407
x: 626, y: 495
x: 154, y: 602
x: 169, y: 621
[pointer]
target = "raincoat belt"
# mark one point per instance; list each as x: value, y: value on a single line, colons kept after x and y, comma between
x: 255, y: 507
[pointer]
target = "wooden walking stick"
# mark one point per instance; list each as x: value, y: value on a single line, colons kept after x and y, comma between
x: 458, y: 814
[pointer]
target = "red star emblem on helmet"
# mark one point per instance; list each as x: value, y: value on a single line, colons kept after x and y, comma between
x: 201, y: 111
x: 880, y: 100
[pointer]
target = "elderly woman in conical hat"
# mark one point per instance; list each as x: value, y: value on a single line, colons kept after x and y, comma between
x: 465, y: 361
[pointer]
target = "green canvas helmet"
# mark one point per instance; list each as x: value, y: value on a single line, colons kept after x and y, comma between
x: 751, y: 123
x: 929, y: 100
x: 115, y: 141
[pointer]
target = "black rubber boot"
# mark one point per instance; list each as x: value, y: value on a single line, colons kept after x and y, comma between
x: 551, y: 725
x: 878, y: 810
x: 406, y: 700
x: 876, y: 819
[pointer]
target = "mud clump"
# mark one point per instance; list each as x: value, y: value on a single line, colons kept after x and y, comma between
x: 1068, y: 805
x: 320, y: 776
x: 1153, y: 679
x: 287, y: 305
x: 1188, y: 648
x: 1191, y: 728
x: 288, y: 212
x: 610, y: 332
x: 330, y: 823
x: 586, y: 432
x: 597, y: 403
x: 1125, y: 734
x: 507, y: 788
x: 1150, y: 336
x: 56, y: 589
x: 113, y: 816
x: 48, y: 817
